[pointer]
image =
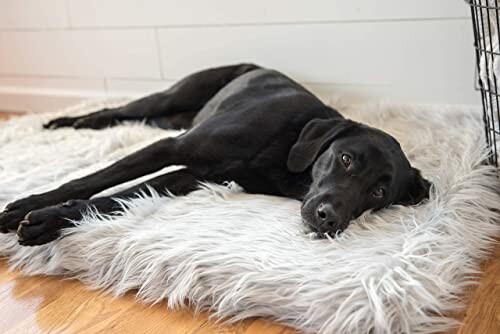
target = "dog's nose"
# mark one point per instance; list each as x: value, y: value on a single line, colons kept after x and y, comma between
x: 326, y: 216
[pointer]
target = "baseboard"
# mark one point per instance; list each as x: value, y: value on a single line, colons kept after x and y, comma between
x: 45, y: 100
x: 40, y: 101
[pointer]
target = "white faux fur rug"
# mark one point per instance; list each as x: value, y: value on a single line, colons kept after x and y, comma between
x: 398, y: 270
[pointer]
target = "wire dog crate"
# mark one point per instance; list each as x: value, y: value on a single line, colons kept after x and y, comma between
x: 486, y: 26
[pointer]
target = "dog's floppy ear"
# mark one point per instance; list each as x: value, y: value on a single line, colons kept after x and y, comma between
x: 313, y: 139
x: 417, y: 191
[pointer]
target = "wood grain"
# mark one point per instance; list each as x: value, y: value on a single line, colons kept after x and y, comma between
x: 54, y: 305
x: 483, y: 313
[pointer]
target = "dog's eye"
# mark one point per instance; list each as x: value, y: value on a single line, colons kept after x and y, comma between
x: 379, y: 193
x: 346, y: 159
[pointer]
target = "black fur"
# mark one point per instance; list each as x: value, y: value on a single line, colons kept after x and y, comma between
x: 248, y: 124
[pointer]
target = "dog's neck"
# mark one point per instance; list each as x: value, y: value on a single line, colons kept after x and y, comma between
x: 332, y: 113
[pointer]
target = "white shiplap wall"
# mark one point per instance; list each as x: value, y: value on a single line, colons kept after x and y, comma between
x: 56, y: 52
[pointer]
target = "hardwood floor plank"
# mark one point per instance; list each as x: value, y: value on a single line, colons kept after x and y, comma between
x: 483, y: 313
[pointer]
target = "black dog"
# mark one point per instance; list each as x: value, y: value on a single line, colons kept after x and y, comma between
x: 248, y: 124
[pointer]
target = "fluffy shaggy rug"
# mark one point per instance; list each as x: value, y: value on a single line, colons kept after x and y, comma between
x: 400, y: 270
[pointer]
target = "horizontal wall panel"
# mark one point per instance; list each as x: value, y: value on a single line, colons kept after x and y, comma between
x: 459, y: 93
x: 127, y: 13
x: 415, y: 55
x: 136, y: 88
x: 32, y: 14
x: 89, y: 53
x: 57, y: 86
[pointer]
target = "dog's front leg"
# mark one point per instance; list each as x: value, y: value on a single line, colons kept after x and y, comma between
x: 44, y: 225
x: 143, y: 162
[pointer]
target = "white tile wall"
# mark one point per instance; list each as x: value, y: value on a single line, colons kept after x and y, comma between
x: 124, y: 87
x: 80, y: 86
x: 351, y: 53
x: 81, y: 53
x: 54, y: 52
x: 120, y: 13
x: 32, y: 14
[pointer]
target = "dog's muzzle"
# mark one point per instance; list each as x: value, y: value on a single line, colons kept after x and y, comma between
x: 323, y: 216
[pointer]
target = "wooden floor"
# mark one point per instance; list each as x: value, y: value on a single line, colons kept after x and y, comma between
x: 53, y: 305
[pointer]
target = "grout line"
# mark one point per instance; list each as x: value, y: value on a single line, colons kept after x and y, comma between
x: 7, y: 75
x: 68, y: 14
x: 235, y: 25
x: 159, y: 52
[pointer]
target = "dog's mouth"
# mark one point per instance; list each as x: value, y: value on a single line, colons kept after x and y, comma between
x: 311, y: 227
x: 323, y: 234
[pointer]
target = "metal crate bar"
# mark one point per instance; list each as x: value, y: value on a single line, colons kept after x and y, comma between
x: 486, y: 28
x: 488, y: 51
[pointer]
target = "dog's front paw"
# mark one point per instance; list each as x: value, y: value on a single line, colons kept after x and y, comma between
x: 42, y: 226
x: 9, y: 220
x: 14, y: 213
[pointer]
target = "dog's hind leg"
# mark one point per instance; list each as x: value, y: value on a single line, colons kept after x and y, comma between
x: 44, y: 225
x: 165, y: 152
x: 174, y: 108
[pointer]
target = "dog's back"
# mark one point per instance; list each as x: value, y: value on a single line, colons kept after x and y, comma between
x: 253, y: 90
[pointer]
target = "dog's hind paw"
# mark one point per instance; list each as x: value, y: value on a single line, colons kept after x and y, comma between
x: 42, y: 226
x: 60, y: 122
x: 94, y: 122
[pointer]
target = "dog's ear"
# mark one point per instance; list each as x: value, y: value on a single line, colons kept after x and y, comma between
x: 313, y: 139
x: 417, y: 191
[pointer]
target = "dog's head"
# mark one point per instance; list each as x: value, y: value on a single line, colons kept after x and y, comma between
x: 354, y: 168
